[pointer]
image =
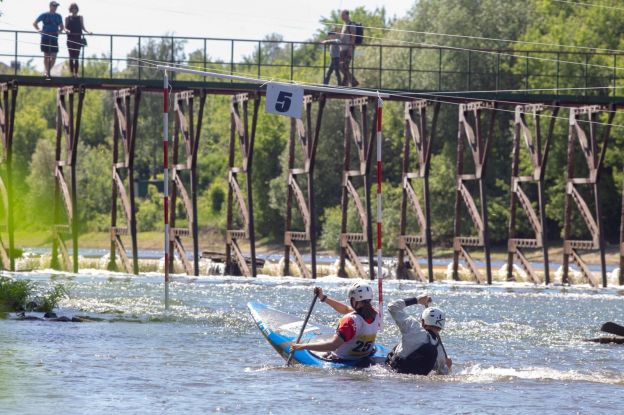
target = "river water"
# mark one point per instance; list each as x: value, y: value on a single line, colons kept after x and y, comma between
x: 516, y: 349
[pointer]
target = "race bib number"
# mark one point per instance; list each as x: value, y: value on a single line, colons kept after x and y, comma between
x: 284, y: 100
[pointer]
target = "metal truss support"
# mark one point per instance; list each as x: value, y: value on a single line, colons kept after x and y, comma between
x: 68, y: 126
x: 126, y: 113
x: 532, y: 138
x: 302, y: 131
x: 186, y: 171
x: 235, y: 261
x: 416, y: 131
x: 594, y: 159
x: 7, y: 122
x: 357, y: 130
x: 470, y: 131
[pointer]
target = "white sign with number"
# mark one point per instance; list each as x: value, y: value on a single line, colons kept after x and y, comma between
x: 284, y: 100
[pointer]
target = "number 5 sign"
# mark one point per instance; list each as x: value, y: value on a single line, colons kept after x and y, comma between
x: 284, y: 100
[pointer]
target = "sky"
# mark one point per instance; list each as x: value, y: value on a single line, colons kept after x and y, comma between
x: 294, y: 19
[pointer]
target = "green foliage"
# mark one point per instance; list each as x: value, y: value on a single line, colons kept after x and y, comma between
x: 41, y: 185
x: 541, y: 21
x: 94, y: 182
x: 150, y: 211
x: 14, y: 293
x: 51, y: 299
x: 17, y: 295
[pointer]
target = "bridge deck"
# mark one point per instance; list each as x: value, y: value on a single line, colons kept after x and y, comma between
x: 228, y: 88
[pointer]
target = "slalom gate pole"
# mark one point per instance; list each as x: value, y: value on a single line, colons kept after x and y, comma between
x: 166, y: 180
x: 379, y: 263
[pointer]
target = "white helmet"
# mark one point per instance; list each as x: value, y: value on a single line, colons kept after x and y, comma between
x: 360, y: 291
x: 433, y: 316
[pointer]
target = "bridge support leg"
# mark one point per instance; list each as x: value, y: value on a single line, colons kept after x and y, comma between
x: 357, y: 130
x: 533, y: 144
x: 416, y: 131
x: 185, y: 126
x: 68, y: 126
x: 126, y: 113
x: 479, y: 149
x: 7, y: 122
x: 308, y: 139
x: 235, y: 262
x: 577, y: 186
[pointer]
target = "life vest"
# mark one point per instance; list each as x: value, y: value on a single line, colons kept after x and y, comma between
x: 420, y: 362
x: 363, y: 343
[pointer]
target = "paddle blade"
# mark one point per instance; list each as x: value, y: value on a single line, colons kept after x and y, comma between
x: 613, y: 328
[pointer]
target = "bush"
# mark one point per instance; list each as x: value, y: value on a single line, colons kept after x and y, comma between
x: 13, y: 294
x: 17, y: 295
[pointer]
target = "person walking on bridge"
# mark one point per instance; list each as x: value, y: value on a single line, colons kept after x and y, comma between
x: 334, y: 53
x: 420, y: 350
x: 357, y: 330
x: 52, y: 26
x: 347, y: 49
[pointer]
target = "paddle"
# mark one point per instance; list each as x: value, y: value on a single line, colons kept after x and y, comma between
x: 305, y: 322
x: 613, y: 328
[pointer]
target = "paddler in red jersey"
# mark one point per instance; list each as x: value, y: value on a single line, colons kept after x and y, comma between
x: 357, y: 330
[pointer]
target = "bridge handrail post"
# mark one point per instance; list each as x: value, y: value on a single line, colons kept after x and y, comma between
x: 111, y: 56
x: 140, y: 61
x: 615, y: 84
x: 259, y: 57
x: 205, y: 57
x: 526, y: 71
x: 409, y: 77
x: 231, y: 58
x: 440, y: 69
x: 292, y: 59
x: 324, y: 62
x: 380, y: 66
x: 16, y: 44
x: 172, y: 56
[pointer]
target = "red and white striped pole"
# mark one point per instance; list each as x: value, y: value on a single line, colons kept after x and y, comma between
x: 166, y: 180
x: 379, y: 267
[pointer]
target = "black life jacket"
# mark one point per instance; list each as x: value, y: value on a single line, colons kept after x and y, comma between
x: 420, y: 362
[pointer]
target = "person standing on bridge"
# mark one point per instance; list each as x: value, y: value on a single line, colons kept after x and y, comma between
x: 52, y: 26
x: 75, y: 41
x: 420, y: 350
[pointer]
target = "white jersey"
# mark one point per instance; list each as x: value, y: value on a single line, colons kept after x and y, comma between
x: 363, y: 342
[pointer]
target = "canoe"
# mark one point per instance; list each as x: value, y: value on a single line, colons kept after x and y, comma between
x: 281, y: 329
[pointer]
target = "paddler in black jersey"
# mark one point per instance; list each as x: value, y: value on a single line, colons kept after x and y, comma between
x: 420, y: 350
x: 357, y: 330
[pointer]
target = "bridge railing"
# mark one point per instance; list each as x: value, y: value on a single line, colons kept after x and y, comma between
x: 383, y: 66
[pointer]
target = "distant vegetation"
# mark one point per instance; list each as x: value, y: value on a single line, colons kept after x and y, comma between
x: 544, y: 21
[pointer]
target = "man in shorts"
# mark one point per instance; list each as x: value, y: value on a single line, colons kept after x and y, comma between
x: 52, y: 26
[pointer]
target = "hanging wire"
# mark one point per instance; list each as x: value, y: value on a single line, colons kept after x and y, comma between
x: 455, y: 36
x: 436, y: 96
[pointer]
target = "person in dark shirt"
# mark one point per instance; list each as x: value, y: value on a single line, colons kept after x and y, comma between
x: 52, y: 26
x: 75, y: 28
